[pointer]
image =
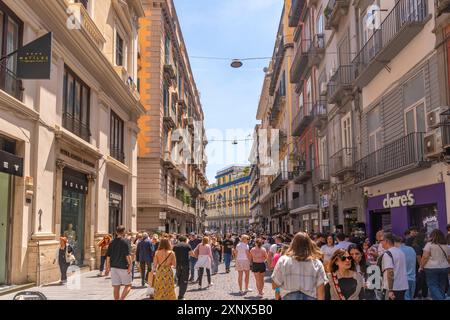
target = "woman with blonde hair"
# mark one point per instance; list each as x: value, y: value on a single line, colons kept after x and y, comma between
x: 204, y: 256
x: 300, y: 274
x: 164, y: 279
x: 103, y: 245
x: 243, y: 258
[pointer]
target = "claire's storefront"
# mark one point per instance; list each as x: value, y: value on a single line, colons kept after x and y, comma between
x: 422, y: 207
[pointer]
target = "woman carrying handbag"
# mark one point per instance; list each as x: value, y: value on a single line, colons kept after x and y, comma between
x: 164, y: 283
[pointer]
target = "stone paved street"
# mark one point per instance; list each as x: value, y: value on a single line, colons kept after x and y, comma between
x: 92, y: 287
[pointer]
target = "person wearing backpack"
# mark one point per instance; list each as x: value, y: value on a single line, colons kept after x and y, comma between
x: 436, y: 263
x: 393, y: 268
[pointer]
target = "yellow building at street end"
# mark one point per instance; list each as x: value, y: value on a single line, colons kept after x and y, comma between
x: 228, y: 208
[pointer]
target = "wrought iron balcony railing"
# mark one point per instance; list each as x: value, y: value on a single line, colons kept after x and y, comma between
x: 401, y: 25
x: 309, y: 53
x: 76, y: 126
x: 10, y: 83
x: 296, y: 11
x: 401, y: 154
x: 321, y: 175
x: 334, y: 11
x: 280, y: 181
x: 118, y: 154
x: 342, y: 162
x: 340, y: 83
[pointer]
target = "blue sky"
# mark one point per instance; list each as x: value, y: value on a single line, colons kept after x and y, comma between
x: 234, y: 29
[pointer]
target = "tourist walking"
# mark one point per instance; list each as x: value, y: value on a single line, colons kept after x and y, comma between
x: 242, y: 253
x: 163, y: 262
x: 436, y: 263
x: 328, y: 249
x: 144, y: 257
x: 342, y: 242
x: 216, y: 252
x: 193, y: 242
x: 411, y: 261
x: 182, y: 253
x: 64, y: 258
x: 227, y: 251
x: 273, y: 250
x: 300, y: 274
x: 103, y: 245
x: 344, y: 282
x: 118, y: 262
x: 393, y: 266
x: 258, y: 257
x: 204, y: 256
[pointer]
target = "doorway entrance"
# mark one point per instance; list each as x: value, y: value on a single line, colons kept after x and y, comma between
x: 115, y: 206
x: 380, y: 220
x: 5, y: 193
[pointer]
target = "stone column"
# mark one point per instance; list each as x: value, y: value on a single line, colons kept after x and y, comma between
x: 60, y: 164
x: 90, y: 221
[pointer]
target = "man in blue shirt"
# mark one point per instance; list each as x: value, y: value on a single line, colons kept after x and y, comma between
x: 144, y: 256
x: 194, y: 241
x: 410, y: 255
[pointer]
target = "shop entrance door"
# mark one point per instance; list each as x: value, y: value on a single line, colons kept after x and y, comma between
x: 380, y: 220
x: 4, y: 224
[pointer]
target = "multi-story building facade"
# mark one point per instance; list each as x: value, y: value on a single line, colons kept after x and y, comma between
x: 228, y: 207
x: 397, y: 70
x: 68, y: 144
x: 171, y: 163
x: 255, y: 206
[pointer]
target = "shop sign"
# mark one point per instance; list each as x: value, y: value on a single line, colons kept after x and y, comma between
x: 162, y: 215
x: 430, y: 223
x: 115, y: 196
x: 11, y: 164
x: 34, y: 59
x: 305, y: 217
x: 399, y: 201
x: 162, y: 228
x: 326, y: 223
x: 324, y: 201
x: 314, y: 216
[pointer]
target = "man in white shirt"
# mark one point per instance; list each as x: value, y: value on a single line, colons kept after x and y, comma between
x: 393, y: 266
x: 342, y: 244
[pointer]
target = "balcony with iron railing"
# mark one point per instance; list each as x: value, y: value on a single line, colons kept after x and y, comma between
x: 308, y: 53
x: 321, y: 175
x: 320, y: 116
x: 75, y: 126
x: 305, y: 202
x: 403, y: 155
x: 280, y: 50
x: 278, y: 103
x: 295, y: 13
x: 309, y: 113
x: 402, y: 24
x: 302, y: 172
x: 342, y: 162
x: 118, y: 154
x: 280, y: 181
x: 280, y: 209
x: 334, y: 11
x: 10, y: 83
x: 341, y: 84
x: 170, y: 117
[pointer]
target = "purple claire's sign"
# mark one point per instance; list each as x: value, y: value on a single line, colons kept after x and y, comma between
x: 396, y: 201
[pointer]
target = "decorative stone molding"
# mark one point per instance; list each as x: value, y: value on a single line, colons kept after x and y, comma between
x: 92, y: 177
x: 60, y: 164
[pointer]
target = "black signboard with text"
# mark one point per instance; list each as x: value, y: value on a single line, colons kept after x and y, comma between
x: 11, y: 164
x: 34, y: 59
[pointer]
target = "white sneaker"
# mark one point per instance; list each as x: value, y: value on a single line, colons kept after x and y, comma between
x: 248, y: 290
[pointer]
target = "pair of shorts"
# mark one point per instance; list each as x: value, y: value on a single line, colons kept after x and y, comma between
x: 259, y: 267
x: 243, y: 265
x: 120, y: 277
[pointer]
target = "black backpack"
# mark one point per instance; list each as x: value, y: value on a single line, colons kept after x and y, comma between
x: 380, y: 260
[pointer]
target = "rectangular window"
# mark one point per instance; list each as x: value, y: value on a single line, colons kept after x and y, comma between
x: 119, y: 50
x: 76, y: 105
x: 11, y: 31
x: 346, y: 132
x: 167, y: 50
x: 415, y: 119
x: 116, y: 137
x: 282, y: 89
x: 414, y: 90
x: 374, y: 128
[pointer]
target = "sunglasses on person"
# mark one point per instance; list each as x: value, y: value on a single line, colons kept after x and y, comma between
x: 343, y: 258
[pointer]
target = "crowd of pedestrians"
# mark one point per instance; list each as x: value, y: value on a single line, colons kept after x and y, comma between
x: 301, y: 266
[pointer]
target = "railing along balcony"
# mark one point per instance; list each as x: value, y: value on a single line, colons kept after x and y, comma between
x: 334, y: 11
x: 340, y: 83
x: 280, y: 181
x: 402, y: 24
x: 170, y: 118
x: 309, y: 53
x: 302, y: 172
x: 280, y: 208
x: 304, y: 199
x: 76, y: 126
x: 277, y: 66
x: 278, y: 102
x: 295, y: 13
x: 303, y: 118
x: 342, y: 162
x: 396, y: 157
x: 118, y: 154
x: 321, y: 175
x: 10, y: 83
x: 320, y: 113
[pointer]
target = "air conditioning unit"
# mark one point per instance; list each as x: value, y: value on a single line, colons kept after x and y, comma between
x: 323, y: 89
x: 435, y: 119
x: 433, y: 143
